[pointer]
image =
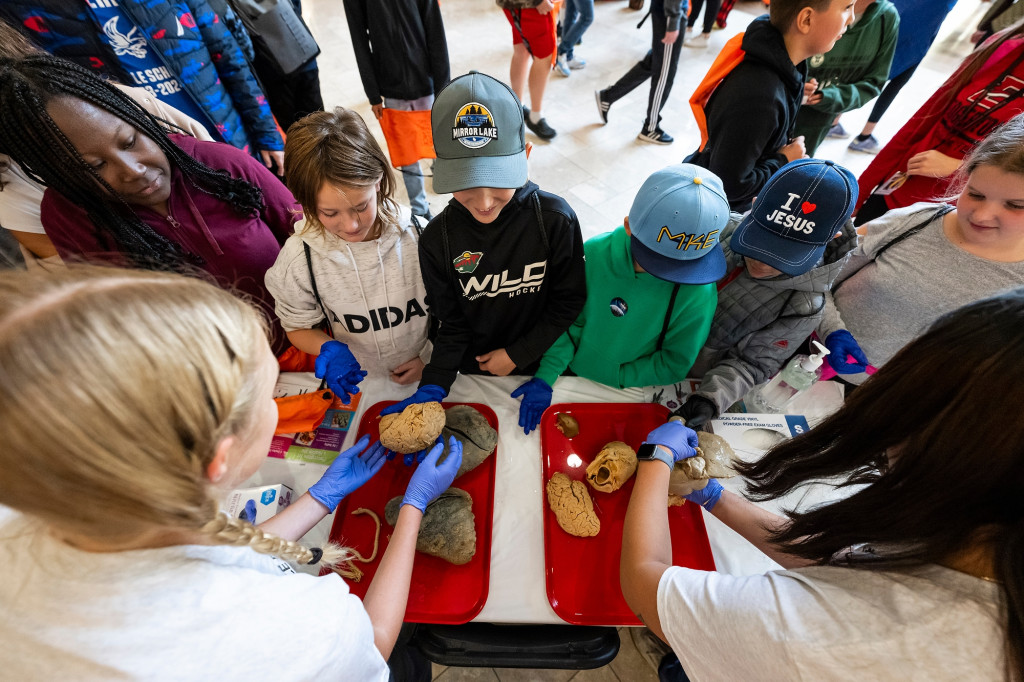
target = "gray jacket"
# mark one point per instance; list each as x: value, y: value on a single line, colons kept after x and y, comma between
x: 759, y: 324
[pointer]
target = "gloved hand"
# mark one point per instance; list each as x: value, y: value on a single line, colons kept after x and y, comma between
x: 339, y: 368
x: 697, y: 411
x: 841, y: 343
x: 347, y: 472
x: 429, y: 393
x: 680, y: 440
x: 536, y: 398
x: 708, y: 496
x: 249, y: 511
x: 430, y: 479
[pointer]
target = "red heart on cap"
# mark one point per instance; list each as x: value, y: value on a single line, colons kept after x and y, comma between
x: 808, y: 207
x: 159, y: 34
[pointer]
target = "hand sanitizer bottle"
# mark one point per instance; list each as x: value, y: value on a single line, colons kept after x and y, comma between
x: 797, y: 376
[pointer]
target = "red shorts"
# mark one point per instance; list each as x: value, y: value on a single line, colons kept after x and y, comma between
x: 537, y: 29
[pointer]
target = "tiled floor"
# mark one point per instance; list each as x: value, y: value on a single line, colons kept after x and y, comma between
x: 598, y: 168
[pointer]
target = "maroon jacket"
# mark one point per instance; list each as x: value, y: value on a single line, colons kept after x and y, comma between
x: 237, y: 250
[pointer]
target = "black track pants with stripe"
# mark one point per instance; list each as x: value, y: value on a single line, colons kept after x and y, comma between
x: 658, y: 66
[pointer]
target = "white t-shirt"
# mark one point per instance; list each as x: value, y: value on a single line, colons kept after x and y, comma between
x: 177, y: 613
x: 828, y: 623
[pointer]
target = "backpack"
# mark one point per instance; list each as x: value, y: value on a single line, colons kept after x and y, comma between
x: 727, y: 60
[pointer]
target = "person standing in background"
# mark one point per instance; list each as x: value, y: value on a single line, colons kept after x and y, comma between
x: 533, y: 41
x: 291, y: 95
x: 920, y: 21
x: 579, y: 15
x: 402, y: 54
x: 657, y: 66
x: 852, y: 73
x: 179, y: 50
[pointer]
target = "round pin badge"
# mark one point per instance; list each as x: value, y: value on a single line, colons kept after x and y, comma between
x: 618, y: 307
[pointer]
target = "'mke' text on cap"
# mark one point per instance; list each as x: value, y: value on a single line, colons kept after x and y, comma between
x: 684, y: 241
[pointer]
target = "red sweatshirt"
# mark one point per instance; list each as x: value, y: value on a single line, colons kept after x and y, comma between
x: 951, y: 123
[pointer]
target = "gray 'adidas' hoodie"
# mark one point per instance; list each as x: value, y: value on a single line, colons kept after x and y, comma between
x: 759, y: 323
x: 373, y: 292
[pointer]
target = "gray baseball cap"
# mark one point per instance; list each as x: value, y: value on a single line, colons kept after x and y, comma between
x: 479, y: 136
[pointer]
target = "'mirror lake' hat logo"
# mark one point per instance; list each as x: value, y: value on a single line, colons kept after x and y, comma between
x: 474, y: 126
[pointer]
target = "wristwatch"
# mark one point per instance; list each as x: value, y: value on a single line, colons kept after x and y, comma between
x: 649, y: 451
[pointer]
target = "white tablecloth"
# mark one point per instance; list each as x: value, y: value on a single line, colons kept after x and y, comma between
x: 517, y: 591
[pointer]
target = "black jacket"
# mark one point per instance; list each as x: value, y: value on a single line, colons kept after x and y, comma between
x: 519, y: 288
x: 400, y: 47
x: 751, y: 115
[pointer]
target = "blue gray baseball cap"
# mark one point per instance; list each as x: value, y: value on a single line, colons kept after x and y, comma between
x: 479, y: 135
x: 676, y: 219
x: 796, y: 215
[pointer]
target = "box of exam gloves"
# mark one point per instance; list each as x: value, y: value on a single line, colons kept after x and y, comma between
x: 257, y: 504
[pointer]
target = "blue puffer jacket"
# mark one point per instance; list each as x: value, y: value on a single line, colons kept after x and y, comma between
x: 192, y: 42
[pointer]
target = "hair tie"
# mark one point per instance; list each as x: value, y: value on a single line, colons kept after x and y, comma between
x: 317, y: 555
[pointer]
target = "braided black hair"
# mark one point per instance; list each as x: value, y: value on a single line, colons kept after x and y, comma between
x: 31, y: 138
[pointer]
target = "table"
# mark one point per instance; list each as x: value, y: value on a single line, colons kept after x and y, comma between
x: 517, y: 589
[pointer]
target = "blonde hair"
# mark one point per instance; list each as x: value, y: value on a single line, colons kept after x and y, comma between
x: 116, y: 386
x: 336, y: 147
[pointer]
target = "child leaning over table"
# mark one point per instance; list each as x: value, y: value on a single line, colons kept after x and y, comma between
x: 503, y: 262
x: 352, y: 258
x: 783, y: 257
x: 650, y: 291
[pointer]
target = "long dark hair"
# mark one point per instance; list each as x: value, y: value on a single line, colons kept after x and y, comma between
x: 937, y: 441
x: 31, y: 138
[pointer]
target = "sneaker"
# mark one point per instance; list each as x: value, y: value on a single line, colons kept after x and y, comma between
x: 868, y: 146
x: 577, y: 64
x: 656, y: 136
x: 650, y: 648
x: 700, y: 40
x: 837, y: 132
x: 603, y: 105
x: 562, y: 66
x: 541, y: 128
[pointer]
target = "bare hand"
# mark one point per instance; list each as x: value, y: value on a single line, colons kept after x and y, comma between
x: 497, y: 362
x: 670, y: 37
x: 271, y: 157
x: 544, y: 7
x: 378, y: 110
x: 408, y: 372
x: 795, y: 149
x: 932, y: 164
x: 811, y: 94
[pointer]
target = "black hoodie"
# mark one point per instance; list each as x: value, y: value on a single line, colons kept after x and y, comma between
x: 751, y: 115
x: 501, y: 285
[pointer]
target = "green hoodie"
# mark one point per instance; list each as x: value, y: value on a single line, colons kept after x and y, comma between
x: 614, y: 340
x: 852, y: 73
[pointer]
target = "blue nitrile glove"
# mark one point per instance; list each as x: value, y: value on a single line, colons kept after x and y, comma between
x: 249, y: 511
x: 428, y: 393
x: 708, y: 496
x: 536, y: 398
x: 697, y: 411
x: 841, y: 343
x: 339, y: 368
x: 347, y: 472
x: 430, y: 479
x: 680, y: 440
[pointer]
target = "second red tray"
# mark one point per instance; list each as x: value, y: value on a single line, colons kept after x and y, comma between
x: 440, y: 592
x: 582, y: 574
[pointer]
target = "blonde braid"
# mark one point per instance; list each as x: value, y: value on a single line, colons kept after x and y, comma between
x: 224, y: 530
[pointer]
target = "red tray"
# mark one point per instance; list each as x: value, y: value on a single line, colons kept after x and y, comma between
x: 582, y: 574
x: 440, y: 592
